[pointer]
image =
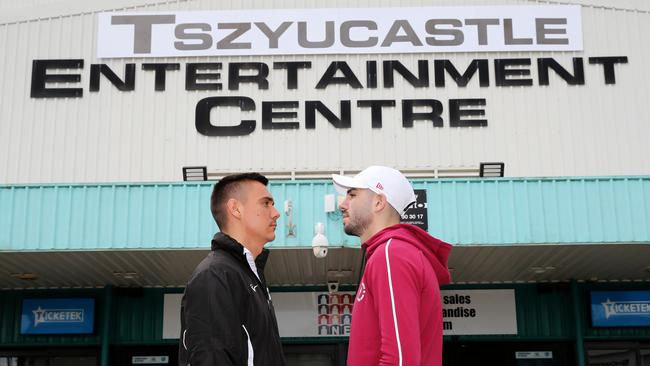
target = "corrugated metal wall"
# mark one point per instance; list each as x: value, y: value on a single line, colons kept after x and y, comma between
x: 122, y: 216
x: 108, y: 136
x: 462, y: 212
x: 540, y: 210
x: 137, y: 316
x: 542, y: 311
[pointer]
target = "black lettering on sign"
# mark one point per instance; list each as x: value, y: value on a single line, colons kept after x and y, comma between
x: 128, y: 84
x: 192, y: 76
x: 456, y: 299
x: 40, y: 78
x: 205, y: 105
x: 459, y: 312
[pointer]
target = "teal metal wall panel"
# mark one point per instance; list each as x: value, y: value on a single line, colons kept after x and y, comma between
x: 542, y: 311
x: 521, y: 211
x: 461, y: 211
x: 137, y: 316
x: 86, y: 217
x: 10, y: 313
x: 308, y: 200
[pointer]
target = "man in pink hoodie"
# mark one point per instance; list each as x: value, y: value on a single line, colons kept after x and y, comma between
x: 397, y: 314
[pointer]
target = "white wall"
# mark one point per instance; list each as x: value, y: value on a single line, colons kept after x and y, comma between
x: 144, y: 135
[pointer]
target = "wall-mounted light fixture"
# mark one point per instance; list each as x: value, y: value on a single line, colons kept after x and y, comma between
x: 127, y: 275
x: 28, y: 276
x: 195, y: 173
x: 542, y: 269
x: 492, y: 169
x: 339, y: 273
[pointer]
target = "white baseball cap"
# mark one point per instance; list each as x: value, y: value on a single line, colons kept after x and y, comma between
x: 381, y: 180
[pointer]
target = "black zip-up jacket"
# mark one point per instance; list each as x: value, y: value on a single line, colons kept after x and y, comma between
x: 227, y: 317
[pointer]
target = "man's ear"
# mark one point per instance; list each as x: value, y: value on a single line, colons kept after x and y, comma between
x: 232, y: 207
x: 380, y: 203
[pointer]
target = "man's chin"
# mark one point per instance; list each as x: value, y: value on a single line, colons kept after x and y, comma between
x: 350, y: 231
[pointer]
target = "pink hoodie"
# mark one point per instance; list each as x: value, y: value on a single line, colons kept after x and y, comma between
x: 397, y: 315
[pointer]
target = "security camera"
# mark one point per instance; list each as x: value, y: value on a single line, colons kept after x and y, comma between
x: 333, y: 286
x: 319, y: 243
x: 320, y: 252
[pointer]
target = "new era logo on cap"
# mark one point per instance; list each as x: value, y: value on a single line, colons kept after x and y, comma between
x: 379, y: 186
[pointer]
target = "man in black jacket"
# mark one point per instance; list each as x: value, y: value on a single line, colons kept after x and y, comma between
x: 227, y: 317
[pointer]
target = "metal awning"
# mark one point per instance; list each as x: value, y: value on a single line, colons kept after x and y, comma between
x: 503, y: 230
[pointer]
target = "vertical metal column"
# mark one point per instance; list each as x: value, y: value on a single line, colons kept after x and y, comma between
x: 577, y: 316
x: 106, y: 324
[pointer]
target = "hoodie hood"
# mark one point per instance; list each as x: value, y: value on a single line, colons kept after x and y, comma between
x: 435, y: 250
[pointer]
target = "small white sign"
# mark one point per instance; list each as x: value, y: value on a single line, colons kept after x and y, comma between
x: 172, y: 316
x: 539, y: 355
x: 150, y: 360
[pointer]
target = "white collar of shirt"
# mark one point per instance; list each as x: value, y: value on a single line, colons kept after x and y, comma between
x: 251, y: 262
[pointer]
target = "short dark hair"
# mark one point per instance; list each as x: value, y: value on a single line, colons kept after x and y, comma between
x: 225, y: 189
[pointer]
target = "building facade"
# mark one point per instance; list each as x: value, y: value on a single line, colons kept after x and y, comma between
x: 521, y: 125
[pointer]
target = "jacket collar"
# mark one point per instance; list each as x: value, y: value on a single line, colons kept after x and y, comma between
x: 222, y: 241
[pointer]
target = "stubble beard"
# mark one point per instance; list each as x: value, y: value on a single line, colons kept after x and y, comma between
x: 357, y: 225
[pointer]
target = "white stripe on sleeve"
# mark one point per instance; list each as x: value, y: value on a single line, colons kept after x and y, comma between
x: 392, y: 300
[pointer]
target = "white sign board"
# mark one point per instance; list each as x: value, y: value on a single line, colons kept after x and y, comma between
x: 320, y: 314
x: 313, y: 314
x: 476, y: 312
x: 340, y: 31
x: 172, y: 316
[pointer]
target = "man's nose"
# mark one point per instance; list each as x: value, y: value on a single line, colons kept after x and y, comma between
x: 343, y: 206
x: 276, y: 214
